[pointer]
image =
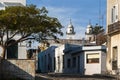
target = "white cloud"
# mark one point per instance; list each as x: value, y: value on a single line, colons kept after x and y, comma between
x: 64, y: 15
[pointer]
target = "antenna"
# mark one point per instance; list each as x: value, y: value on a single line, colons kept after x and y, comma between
x: 70, y: 21
x: 99, y: 12
x: 89, y: 21
x: 102, y: 18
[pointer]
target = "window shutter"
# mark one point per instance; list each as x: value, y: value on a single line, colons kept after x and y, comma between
x: 116, y: 12
x: 112, y: 13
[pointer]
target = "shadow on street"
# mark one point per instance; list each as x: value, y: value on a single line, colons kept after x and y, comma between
x: 73, y: 77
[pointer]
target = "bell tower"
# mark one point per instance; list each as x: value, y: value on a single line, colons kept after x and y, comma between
x: 89, y: 33
x: 70, y: 33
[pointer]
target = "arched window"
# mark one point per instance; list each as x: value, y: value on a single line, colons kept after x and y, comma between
x: 12, y: 51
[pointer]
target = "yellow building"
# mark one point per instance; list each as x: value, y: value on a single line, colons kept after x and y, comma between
x: 113, y: 33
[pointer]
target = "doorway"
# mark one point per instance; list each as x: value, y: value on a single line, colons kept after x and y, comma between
x: 12, y: 50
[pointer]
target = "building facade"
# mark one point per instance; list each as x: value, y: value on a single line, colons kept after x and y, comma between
x: 81, y: 59
x: 69, y: 58
x: 46, y: 60
x: 17, y: 51
x: 6, y: 3
x: 59, y: 59
x: 113, y: 34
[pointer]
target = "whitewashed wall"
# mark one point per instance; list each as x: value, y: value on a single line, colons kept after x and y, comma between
x: 17, y: 1
x: 92, y: 68
x: 22, y: 53
x: 59, y: 53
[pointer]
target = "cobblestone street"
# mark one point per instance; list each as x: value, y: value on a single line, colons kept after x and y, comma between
x: 73, y: 77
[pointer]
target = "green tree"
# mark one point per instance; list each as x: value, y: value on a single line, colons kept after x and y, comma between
x: 99, y: 33
x: 97, y: 29
x: 26, y: 21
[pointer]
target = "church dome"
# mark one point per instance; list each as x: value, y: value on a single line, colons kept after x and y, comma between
x: 89, y: 29
x: 70, y: 26
x: 70, y: 29
x: 89, y: 26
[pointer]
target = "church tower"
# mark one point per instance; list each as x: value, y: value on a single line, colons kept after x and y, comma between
x: 70, y: 33
x: 89, y: 33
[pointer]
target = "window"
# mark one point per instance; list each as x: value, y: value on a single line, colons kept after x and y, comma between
x: 115, y: 53
x: 49, y: 62
x: 92, y: 58
x: 58, y: 62
x: 68, y: 63
x: 90, y: 38
x: 54, y: 63
x: 70, y: 30
x: 114, y: 58
x: 45, y: 62
x: 12, y: 51
x: 114, y: 14
x: 63, y: 61
x: 74, y: 62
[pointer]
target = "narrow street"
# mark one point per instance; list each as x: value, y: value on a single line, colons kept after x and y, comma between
x: 73, y: 77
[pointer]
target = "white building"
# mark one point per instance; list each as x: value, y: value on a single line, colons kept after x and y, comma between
x: 95, y: 59
x: 113, y: 36
x: 20, y: 48
x: 59, y: 59
x: 53, y: 56
x: 83, y: 60
x: 6, y: 3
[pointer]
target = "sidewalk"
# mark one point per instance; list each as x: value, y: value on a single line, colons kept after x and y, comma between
x: 73, y: 77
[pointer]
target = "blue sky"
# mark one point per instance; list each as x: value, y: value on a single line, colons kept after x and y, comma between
x: 79, y: 11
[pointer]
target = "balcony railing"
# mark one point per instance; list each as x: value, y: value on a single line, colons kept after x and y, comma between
x: 113, y: 28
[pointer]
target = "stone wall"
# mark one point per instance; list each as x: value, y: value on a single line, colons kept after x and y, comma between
x: 24, y: 69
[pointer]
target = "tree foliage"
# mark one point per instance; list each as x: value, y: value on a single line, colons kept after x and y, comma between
x: 99, y: 33
x: 97, y: 29
x: 27, y: 20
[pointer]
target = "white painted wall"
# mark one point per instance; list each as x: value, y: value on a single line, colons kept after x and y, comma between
x: 59, y: 53
x: 92, y: 68
x: 21, y: 49
x: 22, y: 54
x: 115, y: 41
x: 88, y: 36
x: 81, y: 66
x: 103, y: 62
x: 16, y: 1
x: 71, y: 36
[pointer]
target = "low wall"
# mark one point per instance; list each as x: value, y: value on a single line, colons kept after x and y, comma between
x: 24, y: 69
